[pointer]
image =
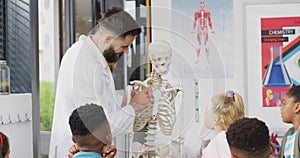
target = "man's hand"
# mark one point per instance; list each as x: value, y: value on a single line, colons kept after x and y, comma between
x: 109, y: 151
x: 140, y: 101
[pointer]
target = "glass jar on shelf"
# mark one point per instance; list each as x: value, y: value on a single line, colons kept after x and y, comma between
x: 4, y: 78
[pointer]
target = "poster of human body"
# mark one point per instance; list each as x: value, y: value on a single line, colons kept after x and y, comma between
x: 280, y: 50
x: 204, y: 36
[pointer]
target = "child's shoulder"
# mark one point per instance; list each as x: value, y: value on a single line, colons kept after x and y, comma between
x: 290, y: 131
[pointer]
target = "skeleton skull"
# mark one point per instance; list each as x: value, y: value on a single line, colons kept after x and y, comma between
x: 160, y: 56
x: 161, y: 115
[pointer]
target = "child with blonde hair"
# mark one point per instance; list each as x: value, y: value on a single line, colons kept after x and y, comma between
x: 224, y: 109
x: 4, y: 146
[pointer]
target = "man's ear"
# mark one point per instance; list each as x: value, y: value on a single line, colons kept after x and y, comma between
x: 108, y: 39
x: 297, y: 108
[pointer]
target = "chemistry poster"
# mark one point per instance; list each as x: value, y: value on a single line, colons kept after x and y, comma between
x: 280, y: 50
x: 203, y: 32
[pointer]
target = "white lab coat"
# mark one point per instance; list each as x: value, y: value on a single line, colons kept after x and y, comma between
x: 84, y: 77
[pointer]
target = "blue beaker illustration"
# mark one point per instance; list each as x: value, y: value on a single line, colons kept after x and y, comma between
x: 276, y: 74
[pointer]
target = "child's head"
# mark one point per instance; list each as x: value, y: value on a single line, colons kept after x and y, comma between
x: 223, y: 110
x: 90, y: 128
x: 248, y: 138
x: 4, y: 146
x: 290, y: 108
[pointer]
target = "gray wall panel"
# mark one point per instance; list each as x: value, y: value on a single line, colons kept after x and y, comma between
x: 18, y: 52
x: 2, y: 29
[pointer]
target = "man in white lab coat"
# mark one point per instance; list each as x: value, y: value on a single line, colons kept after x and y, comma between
x: 85, y: 77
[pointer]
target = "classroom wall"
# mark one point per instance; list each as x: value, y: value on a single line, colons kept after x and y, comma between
x: 245, y: 78
x: 252, y: 15
x: 16, y: 123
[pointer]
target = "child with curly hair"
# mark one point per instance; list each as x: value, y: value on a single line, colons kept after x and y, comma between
x: 249, y: 138
x: 91, y: 132
x: 290, y: 113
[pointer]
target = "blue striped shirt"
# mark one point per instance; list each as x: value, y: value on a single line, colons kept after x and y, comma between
x: 289, y: 146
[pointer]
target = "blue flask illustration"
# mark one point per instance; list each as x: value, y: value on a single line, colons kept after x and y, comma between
x: 276, y: 74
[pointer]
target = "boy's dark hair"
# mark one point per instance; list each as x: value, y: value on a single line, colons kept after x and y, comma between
x: 86, y: 119
x: 120, y: 22
x: 250, y: 136
x: 294, y: 92
x: 4, y: 145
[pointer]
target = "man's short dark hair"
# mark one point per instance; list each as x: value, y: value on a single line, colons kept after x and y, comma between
x: 119, y: 22
x: 86, y: 119
x: 250, y: 136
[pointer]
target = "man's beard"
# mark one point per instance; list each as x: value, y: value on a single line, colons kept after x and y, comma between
x: 111, y: 56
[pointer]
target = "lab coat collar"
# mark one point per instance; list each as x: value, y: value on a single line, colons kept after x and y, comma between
x: 101, y: 60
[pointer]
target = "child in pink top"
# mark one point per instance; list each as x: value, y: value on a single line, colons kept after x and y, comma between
x: 220, y: 114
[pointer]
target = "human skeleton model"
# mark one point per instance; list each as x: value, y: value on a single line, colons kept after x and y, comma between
x: 161, y: 114
x: 202, y: 24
